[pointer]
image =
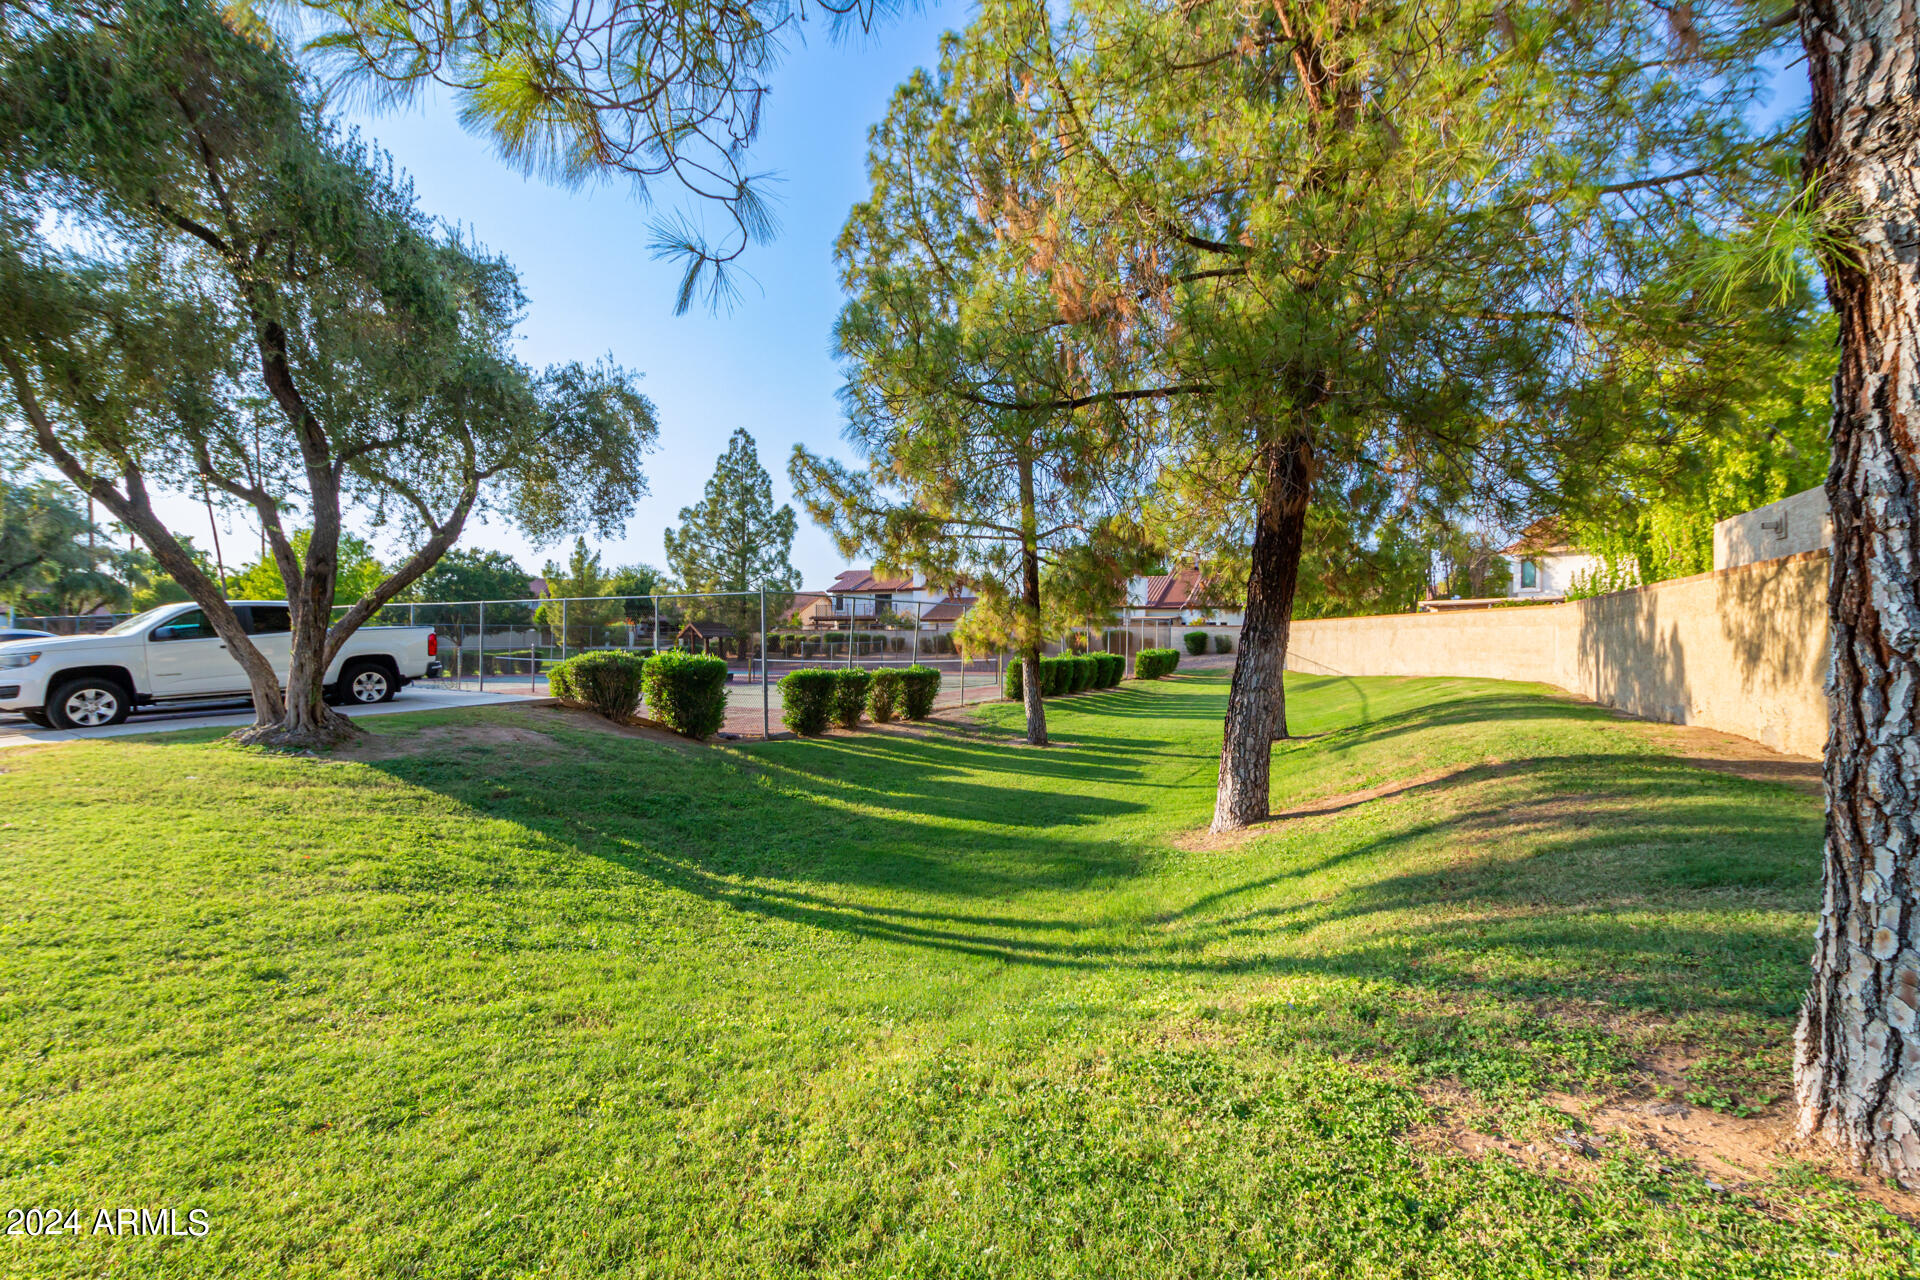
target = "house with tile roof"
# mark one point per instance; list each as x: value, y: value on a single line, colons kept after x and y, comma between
x: 1544, y: 561
x: 1180, y: 596
x: 857, y: 596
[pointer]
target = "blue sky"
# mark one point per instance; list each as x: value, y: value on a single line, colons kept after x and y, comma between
x: 593, y: 288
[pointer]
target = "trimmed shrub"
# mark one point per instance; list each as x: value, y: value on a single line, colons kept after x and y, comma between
x: 1151, y: 664
x: 1196, y: 642
x: 687, y: 692
x: 1053, y: 677
x: 806, y: 700
x: 850, y: 696
x: 1112, y: 667
x: 1223, y: 644
x: 922, y: 687
x: 607, y: 681
x: 884, y: 694
x: 1015, y: 687
x: 1082, y: 669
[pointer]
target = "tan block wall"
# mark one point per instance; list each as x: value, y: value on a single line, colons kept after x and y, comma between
x: 1742, y: 650
x: 1801, y: 523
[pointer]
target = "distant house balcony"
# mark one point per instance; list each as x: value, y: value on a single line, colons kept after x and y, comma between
x: 860, y: 606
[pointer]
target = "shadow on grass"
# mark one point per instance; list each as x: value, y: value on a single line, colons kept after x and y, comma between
x: 1630, y: 879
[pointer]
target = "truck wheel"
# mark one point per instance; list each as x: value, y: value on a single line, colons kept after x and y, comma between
x: 88, y: 702
x: 363, y: 683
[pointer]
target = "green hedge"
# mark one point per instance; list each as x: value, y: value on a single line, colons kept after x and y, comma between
x: 923, y: 686
x: 1081, y: 670
x: 1053, y: 677
x: 1151, y: 664
x: 1196, y: 642
x: 850, y: 696
x: 884, y: 694
x: 608, y: 681
x: 687, y: 692
x: 806, y: 699
x: 1112, y: 667
x: 1223, y: 644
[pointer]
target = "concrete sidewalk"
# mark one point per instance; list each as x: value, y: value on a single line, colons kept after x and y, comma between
x: 18, y: 733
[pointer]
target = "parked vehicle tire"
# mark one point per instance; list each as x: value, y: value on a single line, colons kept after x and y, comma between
x: 88, y: 702
x: 38, y: 719
x: 363, y: 683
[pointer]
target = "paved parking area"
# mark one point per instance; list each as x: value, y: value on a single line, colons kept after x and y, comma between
x: 15, y: 732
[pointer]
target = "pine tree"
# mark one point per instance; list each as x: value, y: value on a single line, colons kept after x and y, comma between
x: 995, y: 454
x: 1408, y: 237
x: 736, y: 540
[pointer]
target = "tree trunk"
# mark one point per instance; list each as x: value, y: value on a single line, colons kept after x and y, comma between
x: 1031, y: 692
x: 307, y: 722
x: 1257, y: 696
x: 1857, y: 1052
x: 1031, y: 697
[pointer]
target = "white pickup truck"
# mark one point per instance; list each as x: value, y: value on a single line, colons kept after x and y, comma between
x: 171, y: 654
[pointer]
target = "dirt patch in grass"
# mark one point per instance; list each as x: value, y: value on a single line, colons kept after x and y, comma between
x: 522, y: 731
x: 1758, y: 1156
x: 449, y: 738
x: 1721, y: 752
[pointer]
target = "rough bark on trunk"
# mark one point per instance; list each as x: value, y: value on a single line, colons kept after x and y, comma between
x: 307, y: 722
x: 1256, y: 697
x: 1031, y: 692
x: 1031, y: 697
x: 1857, y: 1051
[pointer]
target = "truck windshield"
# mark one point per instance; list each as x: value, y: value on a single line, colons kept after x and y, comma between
x: 127, y: 626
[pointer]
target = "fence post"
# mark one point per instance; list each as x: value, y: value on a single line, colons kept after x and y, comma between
x: 917, y: 621
x: 482, y: 662
x: 654, y: 603
x: 766, y: 696
x: 563, y: 631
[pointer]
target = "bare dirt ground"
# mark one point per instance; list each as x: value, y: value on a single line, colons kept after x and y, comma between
x: 1733, y: 1153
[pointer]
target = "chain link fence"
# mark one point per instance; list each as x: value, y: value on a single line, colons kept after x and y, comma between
x: 511, y: 645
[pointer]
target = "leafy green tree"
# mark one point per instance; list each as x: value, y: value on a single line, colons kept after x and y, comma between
x: 735, y: 539
x: 472, y: 574
x: 1705, y: 458
x: 360, y: 572
x: 241, y: 297
x: 52, y: 559
x: 994, y: 454
x: 1408, y: 237
x: 635, y: 584
x: 588, y: 590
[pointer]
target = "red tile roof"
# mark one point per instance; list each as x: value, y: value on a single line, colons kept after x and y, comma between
x: 1173, y: 590
x: 1179, y: 590
x: 861, y: 581
x: 1543, y: 537
x: 948, y: 610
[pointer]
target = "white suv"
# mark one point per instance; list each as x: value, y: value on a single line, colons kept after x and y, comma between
x: 171, y: 655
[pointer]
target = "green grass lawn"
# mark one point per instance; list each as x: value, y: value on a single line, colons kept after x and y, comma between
x: 515, y: 996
